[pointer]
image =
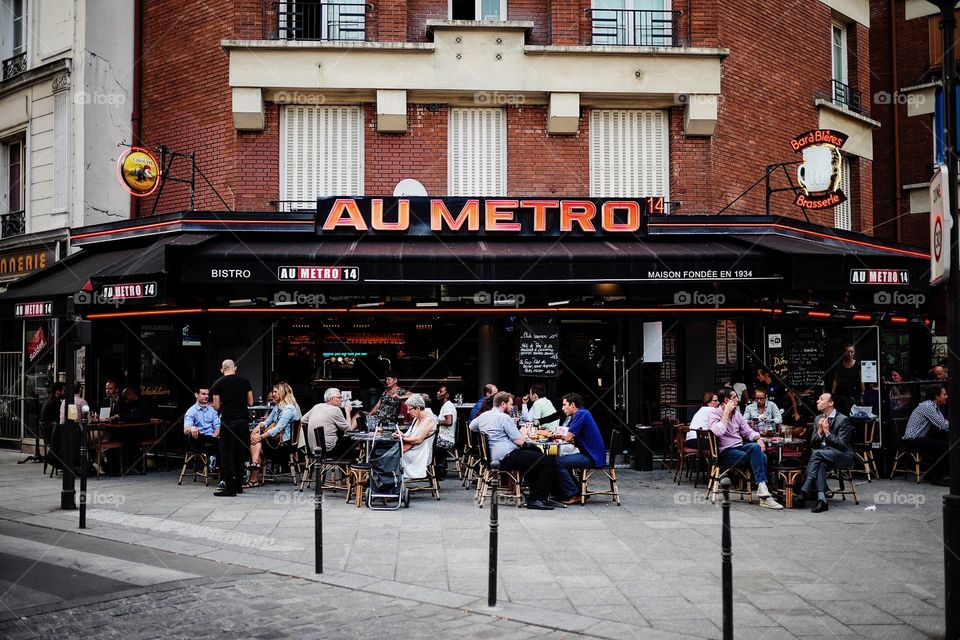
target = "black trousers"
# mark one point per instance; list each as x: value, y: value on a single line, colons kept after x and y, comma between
x: 934, y: 447
x: 234, y: 445
x: 538, y: 470
x: 202, y: 444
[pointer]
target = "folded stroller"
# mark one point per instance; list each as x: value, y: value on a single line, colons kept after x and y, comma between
x: 386, y: 477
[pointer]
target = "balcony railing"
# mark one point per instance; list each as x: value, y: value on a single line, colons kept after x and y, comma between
x: 291, y: 206
x: 15, y: 66
x: 846, y: 96
x: 321, y: 20
x: 12, y: 224
x: 635, y: 27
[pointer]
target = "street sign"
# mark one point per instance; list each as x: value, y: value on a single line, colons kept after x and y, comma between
x: 940, y: 224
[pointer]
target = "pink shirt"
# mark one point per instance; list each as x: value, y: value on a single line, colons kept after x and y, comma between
x: 734, y: 433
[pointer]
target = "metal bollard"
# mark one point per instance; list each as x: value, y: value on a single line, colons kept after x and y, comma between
x: 317, y: 513
x: 84, y: 461
x: 726, y: 565
x: 494, y: 526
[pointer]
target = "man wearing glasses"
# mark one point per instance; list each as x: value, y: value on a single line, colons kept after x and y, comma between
x: 332, y: 420
x: 764, y: 411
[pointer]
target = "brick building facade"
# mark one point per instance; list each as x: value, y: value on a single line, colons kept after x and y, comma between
x: 735, y: 99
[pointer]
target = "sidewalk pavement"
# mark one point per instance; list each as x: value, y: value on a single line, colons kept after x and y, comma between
x: 648, y: 569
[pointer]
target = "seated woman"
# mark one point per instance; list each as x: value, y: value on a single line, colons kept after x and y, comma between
x: 418, y: 440
x: 275, y: 428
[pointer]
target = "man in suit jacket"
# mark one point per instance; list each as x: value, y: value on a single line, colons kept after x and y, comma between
x: 830, y: 449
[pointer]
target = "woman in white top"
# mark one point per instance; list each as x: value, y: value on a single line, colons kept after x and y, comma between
x: 418, y: 440
x: 701, y: 417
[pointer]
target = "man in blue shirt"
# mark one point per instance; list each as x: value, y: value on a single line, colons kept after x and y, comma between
x: 488, y: 390
x: 582, y: 429
x: 200, y: 423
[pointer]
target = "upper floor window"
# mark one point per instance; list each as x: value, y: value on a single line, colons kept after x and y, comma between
x: 477, y: 152
x: 629, y: 153
x: 478, y: 9
x: 12, y: 185
x: 843, y: 212
x: 13, y: 39
x: 321, y: 19
x: 321, y: 154
x: 641, y: 23
x: 842, y: 92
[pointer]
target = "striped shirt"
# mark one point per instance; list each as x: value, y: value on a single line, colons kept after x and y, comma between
x: 927, y: 413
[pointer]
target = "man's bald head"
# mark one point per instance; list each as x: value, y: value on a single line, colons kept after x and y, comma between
x: 228, y: 366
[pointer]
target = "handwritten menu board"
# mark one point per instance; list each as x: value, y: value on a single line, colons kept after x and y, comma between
x: 800, y: 361
x: 539, y: 351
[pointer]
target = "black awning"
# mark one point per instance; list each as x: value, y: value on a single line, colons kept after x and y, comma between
x: 65, y: 277
x: 445, y: 261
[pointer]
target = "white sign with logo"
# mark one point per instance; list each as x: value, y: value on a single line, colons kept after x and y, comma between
x: 774, y: 341
x: 940, y: 224
x: 868, y: 371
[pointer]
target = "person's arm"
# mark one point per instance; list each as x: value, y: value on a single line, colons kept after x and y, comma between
x: 446, y: 419
x: 216, y: 402
x: 717, y: 422
x: 283, y: 421
x: 937, y: 419
x: 374, y: 408
x: 425, y: 431
x: 512, y: 432
x: 839, y: 437
x: 190, y: 426
x: 475, y: 424
x: 250, y: 398
x: 776, y: 413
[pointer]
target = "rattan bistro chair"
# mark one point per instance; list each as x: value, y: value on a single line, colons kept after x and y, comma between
x: 428, y: 482
x: 508, y: 480
x: 741, y: 476
x: 608, y: 469
x: 905, y: 449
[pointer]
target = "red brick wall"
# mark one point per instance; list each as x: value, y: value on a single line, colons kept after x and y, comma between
x: 912, y: 141
x: 420, y: 153
x: 538, y: 12
x: 257, y: 158
x: 545, y: 165
x: 703, y: 17
x: 186, y: 96
x: 565, y: 20
x: 691, y: 168
x: 387, y: 22
x: 418, y: 12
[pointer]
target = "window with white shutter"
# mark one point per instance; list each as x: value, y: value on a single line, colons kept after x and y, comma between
x: 321, y: 153
x: 842, y: 218
x: 629, y: 154
x: 477, y: 152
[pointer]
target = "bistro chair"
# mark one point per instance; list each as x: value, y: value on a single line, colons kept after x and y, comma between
x: 740, y: 475
x: 428, y: 482
x: 283, y: 454
x: 469, y: 466
x: 864, y: 448
x: 101, y: 447
x: 203, y: 458
x: 335, y: 468
x: 149, y: 445
x: 609, y: 470
x: 905, y: 449
x: 845, y: 476
x: 689, y: 454
x: 511, y: 479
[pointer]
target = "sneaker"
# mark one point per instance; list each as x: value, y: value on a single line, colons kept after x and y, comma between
x: 763, y: 491
x: 770, y: 503
x: 213, y: 463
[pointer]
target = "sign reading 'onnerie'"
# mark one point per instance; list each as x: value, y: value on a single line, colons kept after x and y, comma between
x: 499, y: 217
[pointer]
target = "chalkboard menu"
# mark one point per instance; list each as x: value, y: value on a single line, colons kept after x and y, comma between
x: 539, y: 350
x: 800, y: 361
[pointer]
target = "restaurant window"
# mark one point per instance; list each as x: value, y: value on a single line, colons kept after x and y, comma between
x: 478, y: 9
x: 629, y: 153
x: 842, y: 218
x: 321, y: 154
x: 477, y: 152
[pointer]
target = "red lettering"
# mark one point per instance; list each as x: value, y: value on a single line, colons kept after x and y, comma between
x: 440, y: 216
x: 539, y: 212
x: 499, y: 220
x: 580, y: 211
x: 344, y: 207
x: 403, y: 216
x: 608, y: 216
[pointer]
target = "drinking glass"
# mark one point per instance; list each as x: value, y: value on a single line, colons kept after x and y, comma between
x: 787, y: 434
x: 371, y: 424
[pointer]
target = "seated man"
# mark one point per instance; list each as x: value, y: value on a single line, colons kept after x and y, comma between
x: 701, y: 419
x: 830, y: 447
x: 542, y: 412
x: 731, y: 430
x: 505, y: 441
x: 133, y: 408
x: 329, y: 416
x: 764, y: 411
x: 581, y: 428
x: 932, y: 442
x: 200, y: 423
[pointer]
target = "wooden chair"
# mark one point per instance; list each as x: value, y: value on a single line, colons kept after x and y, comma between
x: 283, y: 454
x: 195, y: 456
x: 688, y: 455
x: 469, y: 465
x: 844, y: 476
x: 740, y: 475
x: 335, y: 468
x: 905, y: 449
x: 508, y: 480
x: 428, y: 482
x: 102, y: 447
x: 863, y: 446
x: 608, y: 469
x: 150, y: 443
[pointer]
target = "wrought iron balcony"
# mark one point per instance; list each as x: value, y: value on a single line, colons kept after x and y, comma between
x: 15, y: 66
x: 12, y: 224
x: 635, y: 27
x: 291, y: 206
x: 321, y: 20
x: 845, y: 96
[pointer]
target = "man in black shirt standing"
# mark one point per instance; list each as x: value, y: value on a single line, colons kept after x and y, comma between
x: 231, y: 397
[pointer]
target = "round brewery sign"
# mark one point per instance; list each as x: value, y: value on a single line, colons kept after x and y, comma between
x: 139, y: 171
